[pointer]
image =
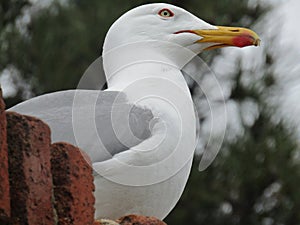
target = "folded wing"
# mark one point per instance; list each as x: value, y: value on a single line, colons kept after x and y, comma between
x: 102, y: 123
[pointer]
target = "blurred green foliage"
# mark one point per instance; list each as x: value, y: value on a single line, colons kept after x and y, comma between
x: 253, y: 180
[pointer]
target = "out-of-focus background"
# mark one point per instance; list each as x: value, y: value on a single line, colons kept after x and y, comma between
x: 46, y: 45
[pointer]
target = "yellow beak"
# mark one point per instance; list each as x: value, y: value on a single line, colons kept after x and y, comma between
x: 228, y: 36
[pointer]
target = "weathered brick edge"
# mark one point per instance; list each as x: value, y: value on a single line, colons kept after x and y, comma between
x: 30, y: 178
x: 73, y: 189
x: 4, y: 179
x: 132, y: 220
x: 138, y: 219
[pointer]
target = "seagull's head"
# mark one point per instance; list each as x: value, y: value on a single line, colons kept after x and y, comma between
x: 168, y: 23
x: 170, y: 31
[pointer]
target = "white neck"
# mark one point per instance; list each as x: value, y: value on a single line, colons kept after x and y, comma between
x: 146, y: 65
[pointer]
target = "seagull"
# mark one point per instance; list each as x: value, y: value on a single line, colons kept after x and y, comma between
x: 140, y: 132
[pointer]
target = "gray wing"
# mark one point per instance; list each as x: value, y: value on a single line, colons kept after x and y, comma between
x: 102, y: 123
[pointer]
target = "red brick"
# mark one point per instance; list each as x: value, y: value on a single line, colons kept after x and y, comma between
x: 73, y: 185
x: 105, y: 222
x: 29, y: 169
x: 4, y: 179
x: 139, y: 220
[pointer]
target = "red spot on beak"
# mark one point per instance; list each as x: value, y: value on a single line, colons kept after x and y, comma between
x: 243, y: 40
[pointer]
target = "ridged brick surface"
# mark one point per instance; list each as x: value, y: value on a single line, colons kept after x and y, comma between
x: 28, y: 142
x: 4, y: 179
x: 73, y: 188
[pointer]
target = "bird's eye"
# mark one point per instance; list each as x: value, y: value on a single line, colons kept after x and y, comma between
x: 166, y: 13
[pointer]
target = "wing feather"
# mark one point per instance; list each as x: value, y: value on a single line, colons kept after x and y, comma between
x: 102, y: 123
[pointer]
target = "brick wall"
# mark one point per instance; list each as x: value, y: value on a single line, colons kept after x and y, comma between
x: 4, y: 179
x: 41, y: 183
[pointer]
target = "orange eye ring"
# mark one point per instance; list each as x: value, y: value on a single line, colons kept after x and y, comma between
x: 166, y: 13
